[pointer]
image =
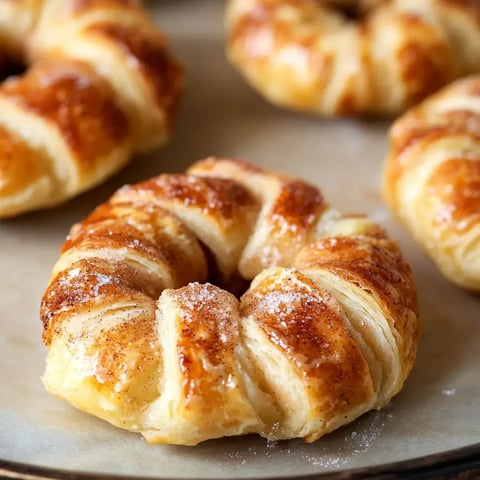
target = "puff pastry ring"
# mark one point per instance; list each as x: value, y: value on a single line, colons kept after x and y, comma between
x: 352, y: 57
x: 101, y: 85
x: 327, y: 330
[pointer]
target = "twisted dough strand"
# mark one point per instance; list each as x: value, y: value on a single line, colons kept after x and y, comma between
x: 307, y: 55
x: 327, y: 330
x: 432, y: 178
x: 102, y: 85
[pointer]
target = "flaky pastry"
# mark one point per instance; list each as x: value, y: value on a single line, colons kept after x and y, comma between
x: 327, y: 330
x: 432, y: 178
x: 101, y: 85
x: 349, y: 57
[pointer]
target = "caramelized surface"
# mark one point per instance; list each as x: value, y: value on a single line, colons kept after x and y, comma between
x: 19, y: 164
x: 76, y: 102
x: 81, y: 6
x: 213, y: 197
x: 432, y: 178
x: 149, y: 55
x: 307, y: 325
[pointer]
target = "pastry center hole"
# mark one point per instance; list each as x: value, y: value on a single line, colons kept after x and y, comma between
x: 10, y: 67
x: 236, y: 284
x: 355, y: 10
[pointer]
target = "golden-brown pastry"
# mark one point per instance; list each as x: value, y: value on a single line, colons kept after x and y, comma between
x: 101, y: 85
x: 327, y: 330
x: 432, y: 178
x: 347, y: 57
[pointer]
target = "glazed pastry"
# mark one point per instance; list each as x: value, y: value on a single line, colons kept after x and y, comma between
x: 327, y: 330
x: 101, y: 85
x: 432, y: 178
x: 335, y: 57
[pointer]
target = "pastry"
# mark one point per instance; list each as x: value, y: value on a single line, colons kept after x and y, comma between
x: 101, y: 85
x: 432, y: 178
x: 335, y: 57
x: 139, y: 336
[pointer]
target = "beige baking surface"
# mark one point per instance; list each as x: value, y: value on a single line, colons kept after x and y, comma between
x: 439, y: 408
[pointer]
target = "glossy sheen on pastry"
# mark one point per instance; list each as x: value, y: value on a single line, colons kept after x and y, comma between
x: 432, y: 178
x: 335, y: 57
x: 101, y: 85
x: 327, y: 330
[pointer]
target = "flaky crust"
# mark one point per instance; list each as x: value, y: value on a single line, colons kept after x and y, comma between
x: 309, y: 55
x: 101, y: 85
x: 432, y: 178
x: 327, y: 330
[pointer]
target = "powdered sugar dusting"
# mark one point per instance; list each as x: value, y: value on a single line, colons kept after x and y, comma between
x: 196, y: 294
x: 283, y: 302
x: 85, y: 285
x: 102, y: 280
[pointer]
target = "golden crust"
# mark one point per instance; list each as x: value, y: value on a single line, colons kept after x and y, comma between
x: 327, y: 330
x: 212, y: 196
x: 377, y: 266
x: 432, y: 178
x: 19, y: 165
x: 101, y: 85
x: 206, y: 322
x: 291, y: 209
x: 76, y: 102
x: 80, y: 6
x: 462, y: 196
x: 160, y: 71
x: 310, y: 56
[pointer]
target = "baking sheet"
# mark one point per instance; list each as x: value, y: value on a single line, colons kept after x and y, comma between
x: 439, y: 408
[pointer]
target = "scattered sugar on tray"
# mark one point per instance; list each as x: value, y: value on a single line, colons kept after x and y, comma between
x: 257, y: 449
x: 366, y: 436
x: 270, y: 447
x: 359, y: 441
x: 449, y: 392
x: 324, y: 461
